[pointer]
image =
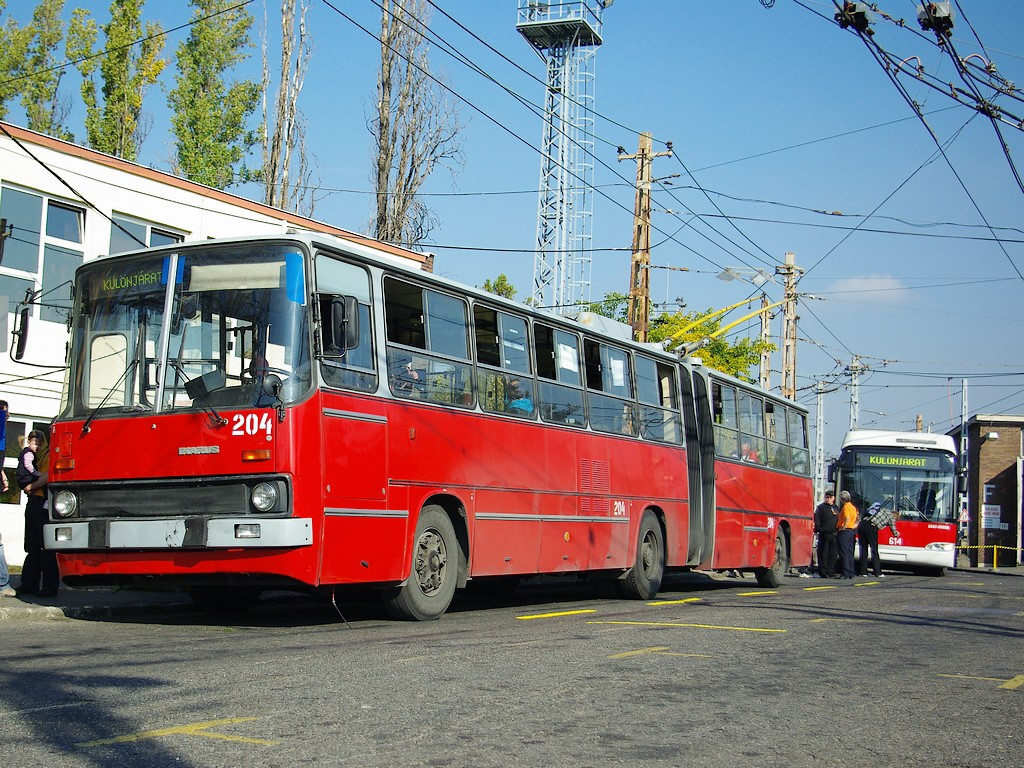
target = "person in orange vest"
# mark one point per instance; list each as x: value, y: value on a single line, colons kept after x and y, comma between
x: 846, y: 534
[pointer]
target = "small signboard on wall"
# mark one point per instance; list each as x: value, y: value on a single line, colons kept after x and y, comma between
x: 990, y: 515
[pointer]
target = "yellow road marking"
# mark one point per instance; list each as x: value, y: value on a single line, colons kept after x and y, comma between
x: 867, y: 584
x: 676, y: 602
x: 555, y: 615
x: 1012, y: 684
x: 659, y: 649
x: 680, y: 624
x: 196, y: 729
x: 815, y: 589
x: 757, y: 594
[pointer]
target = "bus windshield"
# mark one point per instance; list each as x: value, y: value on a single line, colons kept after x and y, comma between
x: 917, y: 494
x: 193, y: 329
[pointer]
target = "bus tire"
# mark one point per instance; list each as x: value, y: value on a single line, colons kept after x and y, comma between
x: 774, y: 574
x: 428, y: 591
x: 643, y: 580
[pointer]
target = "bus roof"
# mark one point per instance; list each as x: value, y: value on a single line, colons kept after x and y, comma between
x: 878, y: 438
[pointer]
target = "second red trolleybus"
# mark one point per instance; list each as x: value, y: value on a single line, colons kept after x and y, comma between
x: 305, y: 412
x: 912, y: 474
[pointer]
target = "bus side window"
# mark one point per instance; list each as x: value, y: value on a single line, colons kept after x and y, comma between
x: 752, y: 442
x: 356, y: 369
x: 775, y: 427
x: 723, y: 400
x: 557, y: 353
x: 798, y: 441
x: 503, y: 362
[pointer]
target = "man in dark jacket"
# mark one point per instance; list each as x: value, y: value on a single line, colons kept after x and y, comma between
x: 825, y: 516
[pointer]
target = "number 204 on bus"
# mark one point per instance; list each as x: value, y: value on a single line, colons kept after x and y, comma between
x: 303, y: 412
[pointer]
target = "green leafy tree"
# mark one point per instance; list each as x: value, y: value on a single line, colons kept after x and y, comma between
x: 45, y: 108
x: 209, y: 112
x: 735, y: 358
x: 14, y: 41
x: 130, y: 64
x: 500, y: 286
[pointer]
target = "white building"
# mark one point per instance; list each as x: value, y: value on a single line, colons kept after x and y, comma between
x: 63, y: 205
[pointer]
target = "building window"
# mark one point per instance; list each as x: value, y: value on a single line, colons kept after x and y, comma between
x: 44, y: 250
x: 131, y: 234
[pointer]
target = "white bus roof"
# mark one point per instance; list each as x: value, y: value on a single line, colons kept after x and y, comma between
x: 877, y: 438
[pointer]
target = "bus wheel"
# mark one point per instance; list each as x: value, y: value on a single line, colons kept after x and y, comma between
x: 772, y: 576
x: 643, y: 580
x: 428, y: 591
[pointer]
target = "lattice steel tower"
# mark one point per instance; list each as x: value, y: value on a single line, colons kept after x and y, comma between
x: 566, y: 36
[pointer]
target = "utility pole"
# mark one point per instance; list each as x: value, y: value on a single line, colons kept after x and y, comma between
x: 638, y: 314
x: 963, y: 477
x: 790, y: 273
x: 855, y: 369
x: 819, y: 441
x: 764, y: 379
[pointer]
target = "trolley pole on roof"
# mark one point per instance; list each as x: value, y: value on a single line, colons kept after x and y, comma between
x: 638, y: 314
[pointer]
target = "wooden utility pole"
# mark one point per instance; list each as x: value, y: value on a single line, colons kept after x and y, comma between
x: 764, y: 379
x: 638, y: 314
x: 790, y: 273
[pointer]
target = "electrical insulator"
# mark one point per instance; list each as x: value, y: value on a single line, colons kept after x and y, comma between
x: 937, y: 17
x: 855, y: 15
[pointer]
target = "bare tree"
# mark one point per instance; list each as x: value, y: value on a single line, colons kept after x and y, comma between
x: 287, y: 174
x: 416, y: 127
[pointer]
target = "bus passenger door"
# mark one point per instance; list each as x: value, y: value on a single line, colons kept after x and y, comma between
x: 356, y: 522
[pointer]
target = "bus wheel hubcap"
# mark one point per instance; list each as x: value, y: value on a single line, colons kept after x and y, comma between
x: 431, y: 561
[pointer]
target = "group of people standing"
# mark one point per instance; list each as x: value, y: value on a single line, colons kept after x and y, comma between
x: 838, y: 528
x: 40, y: 574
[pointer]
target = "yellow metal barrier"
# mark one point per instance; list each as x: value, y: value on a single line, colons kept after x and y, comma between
x: 995, y: 553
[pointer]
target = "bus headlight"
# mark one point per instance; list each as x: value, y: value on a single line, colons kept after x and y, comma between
x: 65, y: 504
x: 940, y: 546
x: 264, y: 497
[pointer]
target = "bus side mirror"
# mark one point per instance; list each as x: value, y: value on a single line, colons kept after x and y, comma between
x: 832, y: 473
x: 961, y: 483
x: 339, y: 324
x: 21, y: 332
x: 345, y: 318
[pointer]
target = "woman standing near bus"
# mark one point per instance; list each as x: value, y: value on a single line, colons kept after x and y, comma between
x: 846, y: 532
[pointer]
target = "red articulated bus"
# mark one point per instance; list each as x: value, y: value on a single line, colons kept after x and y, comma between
x: 304, y: 412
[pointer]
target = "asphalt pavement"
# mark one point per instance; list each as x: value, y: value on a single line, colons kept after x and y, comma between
x: 102, y: 602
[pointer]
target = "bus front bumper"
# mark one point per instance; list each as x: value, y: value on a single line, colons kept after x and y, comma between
x: 179, y: 533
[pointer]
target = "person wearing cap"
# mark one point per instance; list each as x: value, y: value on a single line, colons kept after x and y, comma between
x: 826, y: 515
x: 846, y: 534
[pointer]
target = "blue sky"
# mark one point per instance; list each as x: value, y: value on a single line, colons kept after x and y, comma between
x: 776, y: 116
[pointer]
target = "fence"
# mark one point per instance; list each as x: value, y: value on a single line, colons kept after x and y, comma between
x: 1011, y: 556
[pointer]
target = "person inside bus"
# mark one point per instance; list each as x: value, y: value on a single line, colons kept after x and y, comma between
x: 846, y: 533
x: 403, y: 377
x: 826, y: 515
x: 519, y: 400
x: 747, y: 453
